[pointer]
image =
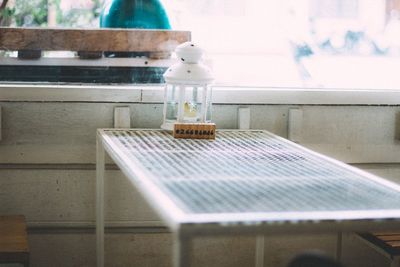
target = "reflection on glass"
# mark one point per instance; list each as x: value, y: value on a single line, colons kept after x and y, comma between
x: 172, y: 110
x: 192, y: 104
x: 191, y: 107
x: 171, y: 104
x: 190, y: 111
x: 209, y: 105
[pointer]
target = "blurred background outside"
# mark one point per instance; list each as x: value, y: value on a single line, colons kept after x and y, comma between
x: 349, y: 44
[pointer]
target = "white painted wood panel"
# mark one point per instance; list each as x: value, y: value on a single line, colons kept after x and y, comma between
x: 154, y: 250
x: 65, y: 198
x: 359, y: 152
x: 65, y: 132
x: 74, y: 93
x: 356, y: 134
x: 57, y: 198
x: 78, y: 249
x: 61, y: 132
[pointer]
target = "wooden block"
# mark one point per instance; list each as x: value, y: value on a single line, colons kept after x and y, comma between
x: 13, y: 240
x: 29, y: 54
x: 94, y: 40
x: 90, y: 55
x: 194, y: 130
x: 159, y: 55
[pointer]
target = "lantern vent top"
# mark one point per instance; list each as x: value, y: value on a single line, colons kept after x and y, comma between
x: 189, y: 70
x: 189, y: 53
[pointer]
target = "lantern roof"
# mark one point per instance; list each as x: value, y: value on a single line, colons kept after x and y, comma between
x: 189, y: 69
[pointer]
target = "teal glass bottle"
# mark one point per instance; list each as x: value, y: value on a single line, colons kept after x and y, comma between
x: 140, y: 14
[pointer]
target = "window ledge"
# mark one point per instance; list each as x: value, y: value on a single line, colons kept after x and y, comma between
x: 221, y: 95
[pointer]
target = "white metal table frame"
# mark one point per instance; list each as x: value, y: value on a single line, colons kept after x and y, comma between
x: 185, y: 227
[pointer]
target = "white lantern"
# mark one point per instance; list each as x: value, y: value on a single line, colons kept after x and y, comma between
x: 187, y: 96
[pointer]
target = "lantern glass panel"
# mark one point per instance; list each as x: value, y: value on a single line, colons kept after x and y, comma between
x: 192, y: 104
x: 208, y: 104
x: 171, y: 102
x: 195, y: 97
x: 184, y: 103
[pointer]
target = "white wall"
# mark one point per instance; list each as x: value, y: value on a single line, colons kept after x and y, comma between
x: 47, y: 157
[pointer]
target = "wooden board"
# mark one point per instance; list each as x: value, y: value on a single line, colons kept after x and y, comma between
x: 13, y: 234
x: 122, y: 40
x: 391, y: 239
x: 390, y: 242
x: 29, y: 54
x: 194, y: 130
x: 13, y: 239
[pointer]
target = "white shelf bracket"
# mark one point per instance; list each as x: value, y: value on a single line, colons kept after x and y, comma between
x: 397, y: 127
x: 244, y: 116
x: 295, y: 125
x: 122, y: 117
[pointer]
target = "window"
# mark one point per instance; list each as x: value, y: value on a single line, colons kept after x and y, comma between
x: 299, y: 43
x: 334, y: 8
x: 80, y: 13
x: 269, y: 43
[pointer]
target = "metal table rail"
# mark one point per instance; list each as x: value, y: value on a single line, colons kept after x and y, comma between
x: 244, y: 182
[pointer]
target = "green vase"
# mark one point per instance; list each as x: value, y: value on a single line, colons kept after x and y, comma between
x: 138, y: 14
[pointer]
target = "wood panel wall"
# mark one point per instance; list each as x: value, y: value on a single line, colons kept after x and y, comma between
x: 47, y: 161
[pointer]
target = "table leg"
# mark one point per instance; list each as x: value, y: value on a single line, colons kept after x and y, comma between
x: 260, y: 251
x: 339, y: 241
x: 100, y: 167
x: 182, y: 250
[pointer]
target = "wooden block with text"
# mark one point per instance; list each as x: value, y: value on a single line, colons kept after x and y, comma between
x: 194, y: 130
